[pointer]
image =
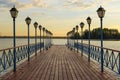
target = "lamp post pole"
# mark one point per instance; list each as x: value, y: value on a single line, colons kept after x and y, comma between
x: 74, y: 38
x: 101, y: 13
x: 43, y: 38
x: 77, y: 37
x: 101, y: 32
x: 40, y: 27
x: 28, y: 21
x: 35, y: 26
x: 68, y: 39
x: 51, y: 38
x: 14, y: 13
x: 82, y: 25
x: 89, y: 22
x: 46, y: 39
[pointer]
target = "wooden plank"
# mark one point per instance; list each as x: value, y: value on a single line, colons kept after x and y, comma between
x: 58, y: 63
x: 65, y: 77
x: 50, y: 68
x: 52, y: 74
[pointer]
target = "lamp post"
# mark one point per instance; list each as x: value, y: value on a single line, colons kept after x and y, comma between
x: 49, y: 33
x: 14, y: 13
x: 74, y: 38
x: 82, y: 25
x: 43, y: 38
x: 101, y: 13
x: 46, y: 39
x: 35, y: 26
x: 77, y: 37
x: 28, y: 21
x: 40, y: 28
x: 67, y: 39
x: 50, y: 39
x: 89, y: 22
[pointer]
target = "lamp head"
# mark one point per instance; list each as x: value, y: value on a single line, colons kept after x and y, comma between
x: 89, y: 20
x: 82, y: 25
x: 28, y: 20
x: 101, y: 12
x: 13, y: 12
x: 35, y: 25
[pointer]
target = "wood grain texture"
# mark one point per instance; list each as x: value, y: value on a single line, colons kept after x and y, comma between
x: 58, y: 63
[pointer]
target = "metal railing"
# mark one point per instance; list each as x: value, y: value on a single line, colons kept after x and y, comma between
x: 6, y: 55
x: 111, y: 56
x: 70, y: 43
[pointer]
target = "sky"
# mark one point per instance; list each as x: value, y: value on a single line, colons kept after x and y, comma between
x: 58, y: 16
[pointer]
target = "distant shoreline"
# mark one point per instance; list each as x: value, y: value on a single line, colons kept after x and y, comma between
x: 54, y: 37
x: 57, y: 37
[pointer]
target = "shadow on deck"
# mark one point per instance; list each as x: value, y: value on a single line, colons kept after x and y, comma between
x: 58, y: 63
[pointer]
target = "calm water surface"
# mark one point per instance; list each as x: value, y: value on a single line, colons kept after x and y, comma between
x: 8, y: 42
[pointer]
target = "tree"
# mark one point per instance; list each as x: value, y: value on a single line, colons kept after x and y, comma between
x: 76, y: 35
x: 107, y: 34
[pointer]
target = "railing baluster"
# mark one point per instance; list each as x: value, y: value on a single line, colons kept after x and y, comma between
x: 110, y: 59
x: 6, y: 57
x: 119, y: 63
x: 4, y: 60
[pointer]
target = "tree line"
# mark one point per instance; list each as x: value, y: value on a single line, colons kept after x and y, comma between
x: 95, y: 34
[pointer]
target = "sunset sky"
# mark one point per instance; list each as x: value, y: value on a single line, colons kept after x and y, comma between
x: 58, y: 16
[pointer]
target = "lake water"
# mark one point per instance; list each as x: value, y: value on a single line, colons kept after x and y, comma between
x: 8, y: 42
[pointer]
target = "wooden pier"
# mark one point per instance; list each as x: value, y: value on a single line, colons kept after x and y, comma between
x: 58, y: 63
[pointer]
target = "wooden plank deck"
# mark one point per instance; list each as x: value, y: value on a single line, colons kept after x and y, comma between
x: 58, y: 63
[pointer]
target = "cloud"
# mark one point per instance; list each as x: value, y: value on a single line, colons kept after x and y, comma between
x: 5, y: 4
x: 39, y: 3
x: 54, y: 4
x: 83, y: 4
x: 80, y: 3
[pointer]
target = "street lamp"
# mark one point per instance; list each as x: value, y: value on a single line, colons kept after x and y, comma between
x: 28, y: 21
x: 46, y: 39
x: 35, y: 26
x: 67, y: 40
x: 43, y: 38
x: 82, y: 25
x: 101, y: 13
x: 49, y: 35
x: 89, y: 22
x: 51, y: 38
x: 77, y: 37
x: 14, y: 13
x: 74, y: 38
x: 40, y: 28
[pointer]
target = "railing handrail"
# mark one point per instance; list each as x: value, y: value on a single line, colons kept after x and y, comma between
x: 104, y: 48
x: 15, y: 47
